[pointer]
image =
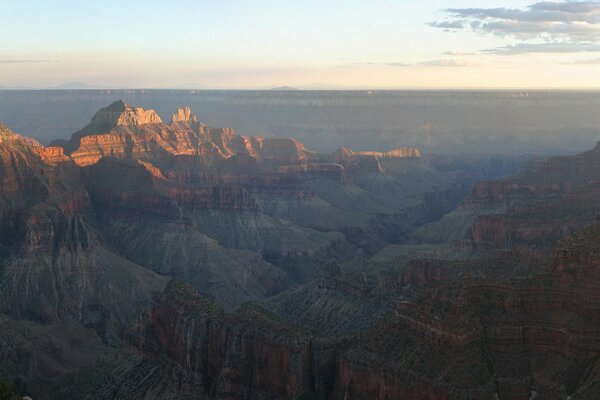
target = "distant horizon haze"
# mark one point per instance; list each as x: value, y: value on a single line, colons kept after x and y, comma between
x: 447, y: 121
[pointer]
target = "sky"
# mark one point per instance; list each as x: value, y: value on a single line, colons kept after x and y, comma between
x: 309, y: 44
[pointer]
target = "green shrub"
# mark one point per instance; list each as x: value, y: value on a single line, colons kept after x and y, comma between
x: 8, y: 392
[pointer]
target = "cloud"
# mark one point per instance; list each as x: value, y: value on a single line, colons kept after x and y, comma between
x: 397, y: 64
x: 555, y: 25
x: 445, y: 62
x: 594, y: 61
x: 447, y: 24
x: 528, y: 48
x: 22, y: 61
x: 460, y: 53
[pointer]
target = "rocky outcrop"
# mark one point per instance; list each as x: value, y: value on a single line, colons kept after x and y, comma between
x: 216, y: 197
x: 122, y: 131
x: 21, y: 170
x: 52, y: 155
x: 121, y: 113
x: 398, y: 152
x: 183, y: 114
x: 275, y: 150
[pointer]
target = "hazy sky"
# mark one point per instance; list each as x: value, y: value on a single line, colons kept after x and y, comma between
x: 302, y: 43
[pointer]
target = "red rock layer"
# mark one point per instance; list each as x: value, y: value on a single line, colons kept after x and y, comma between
x: 547, y: 201
x: 486, y: 339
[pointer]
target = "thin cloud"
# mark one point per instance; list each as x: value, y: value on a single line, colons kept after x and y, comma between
x: 559, y: 25
x: 528, y: 48
x: 23, y: 61
x: 447, y: 24
x: 460, y: 53
x: 445, y: 62
x: 448, y: 63
x: 594, y: 61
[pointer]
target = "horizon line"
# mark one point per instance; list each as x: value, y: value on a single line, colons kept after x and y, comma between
x: 300, y: 89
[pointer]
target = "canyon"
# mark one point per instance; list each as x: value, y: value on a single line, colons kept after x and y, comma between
x: 143, y: 259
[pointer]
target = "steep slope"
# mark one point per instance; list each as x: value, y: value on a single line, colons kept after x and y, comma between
x: 20, y: 170
x: 53, y: 264
x: 505, y: 229
x: 479, y: 339
x: 548, y: 200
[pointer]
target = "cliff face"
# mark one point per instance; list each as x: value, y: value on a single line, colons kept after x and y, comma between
x: 481, y: 339
x: 20, y: 171
x: 54, y: 267
x: 399, y: 152
x: 122, y: 131
x: 227, y: 356
x: 52, y: 155
x: 121, y: 113
x: 546, y: 201
x: 183, y: 115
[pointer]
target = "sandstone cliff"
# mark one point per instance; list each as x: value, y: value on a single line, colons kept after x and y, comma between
x: 183, y: 115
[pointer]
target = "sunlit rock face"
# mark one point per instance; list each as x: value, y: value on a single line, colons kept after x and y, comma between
x: 121, y: 113
x: 20, y: 169
x: 52, y: 155
x: 399, y: 152
x: 183, y: 114
x: 124, y: 132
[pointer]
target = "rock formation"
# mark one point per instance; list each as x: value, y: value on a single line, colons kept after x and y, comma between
x: 90, y: 228
x: 122, y: 114
x: 129, y: 186
x: 183, y: 115
x: 546, y: 201
x: 399, y: 152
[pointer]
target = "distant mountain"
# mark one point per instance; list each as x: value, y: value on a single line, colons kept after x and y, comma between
x: 76, y: 86
x: 285, y: 88
x: 15, y: 88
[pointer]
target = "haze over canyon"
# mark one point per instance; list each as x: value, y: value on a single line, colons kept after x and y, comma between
x: 145, y: 257
x: 448, y: 122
